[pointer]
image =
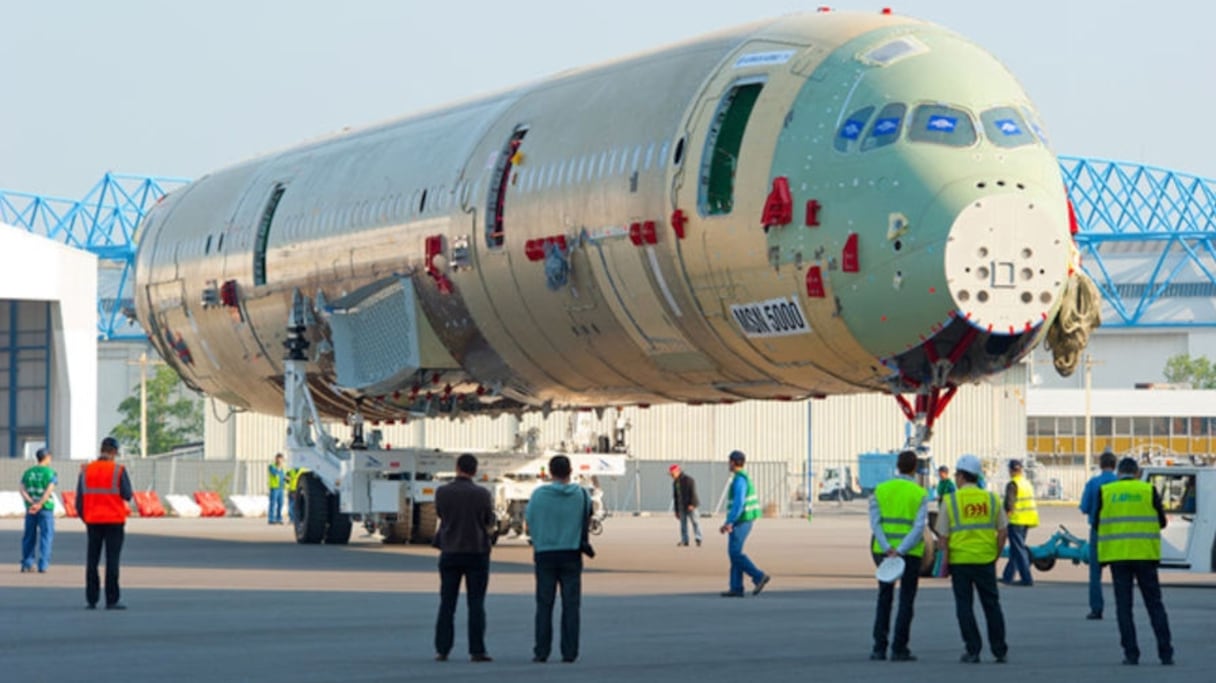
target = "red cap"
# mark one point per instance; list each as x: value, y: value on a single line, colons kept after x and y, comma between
x: 673, y: 469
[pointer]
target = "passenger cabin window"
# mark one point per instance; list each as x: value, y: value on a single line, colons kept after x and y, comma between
x: 886, y: 127
x: 495, y: 224
x: 263, y: 235
x: 1005, y: 127
x: 722, y: 147
x: 942, y: 125
x: 850, y: 130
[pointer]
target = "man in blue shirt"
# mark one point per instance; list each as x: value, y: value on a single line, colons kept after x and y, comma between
x: 744, y: 509
x: 1089, y: 506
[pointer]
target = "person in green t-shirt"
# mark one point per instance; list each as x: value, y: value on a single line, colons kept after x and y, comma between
x: 37, y: 486
x: 945, y: 484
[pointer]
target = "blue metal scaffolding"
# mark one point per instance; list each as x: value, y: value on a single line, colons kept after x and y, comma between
x: 103, y: 222
x: 1166, y: 218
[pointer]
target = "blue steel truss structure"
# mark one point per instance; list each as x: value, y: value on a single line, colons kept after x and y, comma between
x: 1165, y: 218
x: 103, y: 222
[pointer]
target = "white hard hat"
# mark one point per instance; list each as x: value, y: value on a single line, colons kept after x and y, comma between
x: 969, y: 463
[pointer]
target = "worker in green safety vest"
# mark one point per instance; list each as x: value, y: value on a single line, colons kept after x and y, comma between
x: 1130, y: 520
x: 898, y: 511
x: 972, y: 528
x: 293, y: 491
x: 276, y: 481
x: 744, y: 509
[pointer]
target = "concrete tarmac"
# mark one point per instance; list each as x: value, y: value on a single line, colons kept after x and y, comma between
x: 223, y: 600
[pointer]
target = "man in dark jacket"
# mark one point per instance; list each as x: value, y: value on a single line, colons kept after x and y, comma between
x: 466, y: 513
x: 685, y: 503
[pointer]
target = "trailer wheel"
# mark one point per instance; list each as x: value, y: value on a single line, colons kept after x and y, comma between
x: 1044, y: 564
x: 338, y: 531
x: 312, y: 510
x: 428, y: 523
x: 399, y: 531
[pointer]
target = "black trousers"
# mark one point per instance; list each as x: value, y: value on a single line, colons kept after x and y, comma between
x: 908, y: 584
x: 110, y: 536
x: 966, y: 580
x: 564, y: 568
x: 1143, y: 572
x: 474, y: 568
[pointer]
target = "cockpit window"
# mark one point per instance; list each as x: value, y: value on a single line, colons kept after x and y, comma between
x: 1036, y: 125
x: 886, y: 127
x: 850, y: 130
x: 1005, y: 127
x: 942, y: 125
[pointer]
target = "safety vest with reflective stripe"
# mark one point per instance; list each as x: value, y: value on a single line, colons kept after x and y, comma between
x: 1128, y: 527
x: 103, y: 503
x: 1024, y: 513
x: 972, y: 514
x: 899, y: 502
x: 273, y: 478
x: 751, y: 504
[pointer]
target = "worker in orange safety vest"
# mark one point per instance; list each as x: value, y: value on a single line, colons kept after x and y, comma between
x: 103, y: 492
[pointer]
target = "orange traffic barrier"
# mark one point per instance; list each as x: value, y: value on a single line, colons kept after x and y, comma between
x: 210, y: 503
x: 69, y: 503
x: 148, y: 504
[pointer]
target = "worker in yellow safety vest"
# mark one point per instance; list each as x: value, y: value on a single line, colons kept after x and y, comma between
x: 1023, y: 516
x: 293, y: 491
x: 971, y: 528
x: 276, y: 481
x: 1130, y: 520
x: 898, y: 511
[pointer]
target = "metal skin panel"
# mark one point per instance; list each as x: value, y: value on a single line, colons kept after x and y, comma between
x: 617, y: 316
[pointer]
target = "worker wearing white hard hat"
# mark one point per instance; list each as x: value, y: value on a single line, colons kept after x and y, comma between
x: 972, y: 528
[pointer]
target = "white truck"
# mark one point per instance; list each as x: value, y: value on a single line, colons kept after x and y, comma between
x: 392, y: 491
x: 1188, y: 495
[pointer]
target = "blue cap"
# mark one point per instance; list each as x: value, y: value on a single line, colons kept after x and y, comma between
x: 737, y: 456
x: 109, y: 444
x: 1015, y: 464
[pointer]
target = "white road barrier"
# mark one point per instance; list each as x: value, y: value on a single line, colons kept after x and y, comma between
x: 182, y: 506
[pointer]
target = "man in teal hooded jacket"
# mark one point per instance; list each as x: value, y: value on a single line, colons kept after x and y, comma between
x: 556, y: 516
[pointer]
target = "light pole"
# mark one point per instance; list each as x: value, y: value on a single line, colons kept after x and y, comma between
x: 1089, y: 420
x: 143, y: 404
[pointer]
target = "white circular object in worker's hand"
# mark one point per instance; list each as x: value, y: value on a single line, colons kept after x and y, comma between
x: 890, y: 570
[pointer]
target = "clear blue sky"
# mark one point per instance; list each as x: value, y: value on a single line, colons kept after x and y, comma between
x: 179, y: 87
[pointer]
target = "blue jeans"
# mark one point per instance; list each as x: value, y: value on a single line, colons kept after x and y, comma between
x: 40, y: 531
x: 1019, y: 556
x: 274, y: 513
x: 558, y: 568
x: 687, y: 516
x: 1095, y: 574
x: 740, y: 564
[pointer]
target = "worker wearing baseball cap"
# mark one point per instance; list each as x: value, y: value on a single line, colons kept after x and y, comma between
x: 1130, y: 520
x: 1023, y: 516
x: 744, y: 509
x: 972, y: 528
x: 684, y: 503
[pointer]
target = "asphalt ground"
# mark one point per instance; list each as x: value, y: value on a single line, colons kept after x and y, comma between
x: 237, y: 600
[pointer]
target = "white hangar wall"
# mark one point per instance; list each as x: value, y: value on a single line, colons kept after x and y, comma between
x: 34, y: 268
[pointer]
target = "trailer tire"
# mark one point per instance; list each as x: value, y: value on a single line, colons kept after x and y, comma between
x: 428, y: 523
x: 398, y: 532
x: 339, y: 528
x: 1044, y: 564
x: 312, y: 509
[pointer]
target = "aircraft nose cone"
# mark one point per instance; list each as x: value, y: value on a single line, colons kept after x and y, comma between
x: 1006, y: 262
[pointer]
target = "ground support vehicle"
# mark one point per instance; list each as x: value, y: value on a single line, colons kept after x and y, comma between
x: 1063, y: 545
x: 1188, y: 495
x: 392, y: 491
